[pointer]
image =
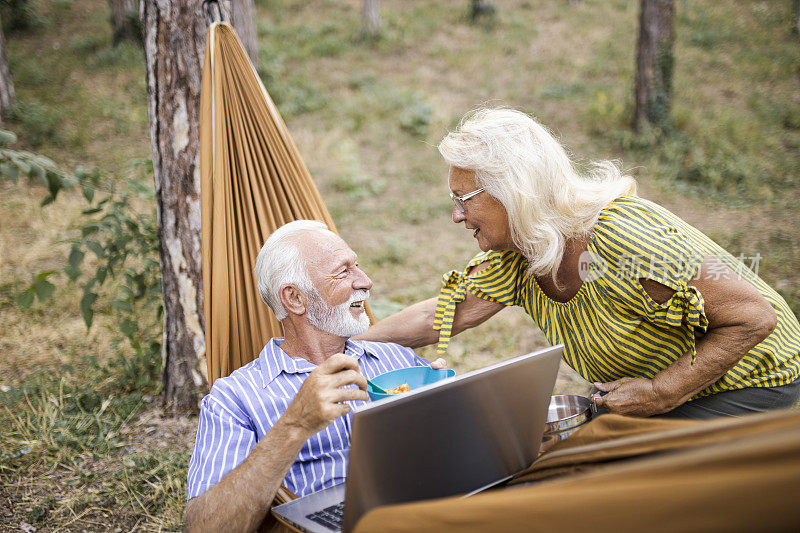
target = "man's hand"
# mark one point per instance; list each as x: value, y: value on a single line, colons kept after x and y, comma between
x: 321, y: 398
x: 633, y: 397
x: 439, y: 364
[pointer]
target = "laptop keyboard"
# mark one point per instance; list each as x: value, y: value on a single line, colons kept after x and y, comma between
x: 330, y: 517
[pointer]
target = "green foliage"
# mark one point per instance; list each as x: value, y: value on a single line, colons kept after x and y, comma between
x: 292, y: 92
x: 40, y: 288
x: 483, y: 13
x: 126, y: 271
x: 605, y: 112
x: 707, y: 38
x: 30, y: 73
x: 124, y: 55
x: 40, y: 123
x: 416, y: 118
x: 102, y: 52
x: 16, y: 163
x: 723, y: 172
x: 20, y: 16
x: 131, y: 29
x: 706, y: 28
x: 392, y: 252
x: 383, y: 308
x: 293, y: 89
x: 87, y: 43
x: 39, y: 513
x: 65, y: 415
x: 561, y: 91
x: 419, y: 211
x: 352, y: 179
x: 124, y: 243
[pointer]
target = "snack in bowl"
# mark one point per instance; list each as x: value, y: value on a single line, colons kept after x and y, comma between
x: 413, y: 377
x: 400, y: 389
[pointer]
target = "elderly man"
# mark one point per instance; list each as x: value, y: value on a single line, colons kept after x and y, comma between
x: 285, y: 417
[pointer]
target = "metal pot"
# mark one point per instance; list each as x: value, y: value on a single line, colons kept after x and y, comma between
x: 567, y: 412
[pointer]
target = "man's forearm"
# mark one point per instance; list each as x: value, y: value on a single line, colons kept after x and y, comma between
x: 241, y: 500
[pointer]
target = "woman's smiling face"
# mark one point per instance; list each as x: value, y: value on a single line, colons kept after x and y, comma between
x: 483, y: 213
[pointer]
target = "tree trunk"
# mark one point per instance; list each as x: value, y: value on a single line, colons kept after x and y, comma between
x: 125, y: 20
x: 174, y: 41
x: 480, y: 8
x: 6, y: 86
x: 796, y: 17
x: 174, y: 35
x: 371, y: 15
x: 654, y: 63
x: 243, y: 19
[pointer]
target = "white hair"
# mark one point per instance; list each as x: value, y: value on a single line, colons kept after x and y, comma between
x: 528, y: 171
x: 280, y: 263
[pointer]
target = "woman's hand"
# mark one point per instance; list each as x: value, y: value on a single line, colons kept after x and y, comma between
x: 439, y: 364
x: 633, y: 397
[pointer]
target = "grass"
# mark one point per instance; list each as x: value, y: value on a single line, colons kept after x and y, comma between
x: 82, y: 451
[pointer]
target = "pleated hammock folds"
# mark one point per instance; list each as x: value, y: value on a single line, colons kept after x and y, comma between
x: 253, y: 181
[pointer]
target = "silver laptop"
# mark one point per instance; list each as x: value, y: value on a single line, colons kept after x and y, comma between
x: 457, y: 436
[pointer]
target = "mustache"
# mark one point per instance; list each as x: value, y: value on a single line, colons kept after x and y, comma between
x: 358, y: 295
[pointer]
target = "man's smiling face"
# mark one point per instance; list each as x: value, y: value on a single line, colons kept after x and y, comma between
x: 340, y: 286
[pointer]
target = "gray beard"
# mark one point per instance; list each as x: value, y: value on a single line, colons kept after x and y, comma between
x: 337, y: 320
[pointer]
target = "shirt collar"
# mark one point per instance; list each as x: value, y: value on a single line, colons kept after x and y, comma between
x: 274, y: 361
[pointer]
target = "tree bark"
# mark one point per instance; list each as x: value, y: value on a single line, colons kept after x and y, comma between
x: 371, y: 16
x: 480, y: 8
x: 243, y: 19
x: 796, y: 17
x: 174, y: 35
x: 6, y: 86
x: 654, y: 63
x: 174, y: 43
x: 125, y: 20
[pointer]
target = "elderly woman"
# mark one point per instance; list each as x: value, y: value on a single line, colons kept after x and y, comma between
x: 650, y: 310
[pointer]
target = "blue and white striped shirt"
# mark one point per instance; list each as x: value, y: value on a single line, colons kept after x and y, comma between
x: 241, y: 409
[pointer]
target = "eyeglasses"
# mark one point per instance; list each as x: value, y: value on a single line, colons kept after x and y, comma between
x: 459, y: 200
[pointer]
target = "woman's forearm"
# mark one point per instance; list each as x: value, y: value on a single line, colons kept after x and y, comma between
x: 739, y: 318
x: 412, y: 327
x: 717, y: 352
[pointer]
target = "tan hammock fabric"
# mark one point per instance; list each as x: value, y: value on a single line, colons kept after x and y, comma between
x: 633, y: 474
x: 253, y: 181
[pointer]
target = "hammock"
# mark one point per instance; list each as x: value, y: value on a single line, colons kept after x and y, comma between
x: 253, y: 181
x: 635, y: 474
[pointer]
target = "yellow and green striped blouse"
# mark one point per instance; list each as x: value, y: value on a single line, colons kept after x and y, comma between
x: 612, y: 328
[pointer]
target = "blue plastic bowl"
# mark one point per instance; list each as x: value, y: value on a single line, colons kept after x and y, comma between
x: 415, y: 376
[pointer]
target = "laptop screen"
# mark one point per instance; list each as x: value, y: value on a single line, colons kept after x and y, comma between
x: 450, y: 437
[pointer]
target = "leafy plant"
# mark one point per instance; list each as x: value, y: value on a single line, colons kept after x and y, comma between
x: 14, y: 163
x: 124, y: 243
x: 127, y: 272
x: 40, y: 288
